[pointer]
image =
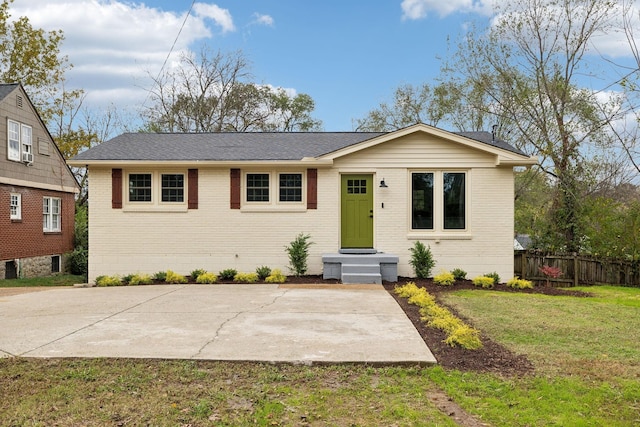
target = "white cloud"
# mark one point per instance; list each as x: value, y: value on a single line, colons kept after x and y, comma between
x: 115, y: 45
x: 263, y: 19
x: 222, y: 17
x: 419, y: 9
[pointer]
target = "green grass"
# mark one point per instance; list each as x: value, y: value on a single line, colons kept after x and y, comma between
x: 585, y: 350
x: 58, y: 280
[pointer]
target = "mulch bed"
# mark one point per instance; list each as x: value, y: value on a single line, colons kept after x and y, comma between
x: 492, y: 357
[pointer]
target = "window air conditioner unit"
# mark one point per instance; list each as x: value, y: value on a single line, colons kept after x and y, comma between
x: 27, y: 157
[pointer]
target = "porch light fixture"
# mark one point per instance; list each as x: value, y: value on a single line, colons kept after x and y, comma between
x: 383, y: 184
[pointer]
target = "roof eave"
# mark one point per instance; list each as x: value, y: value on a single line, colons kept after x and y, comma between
x: 306, y: 162
x: 522, y: 161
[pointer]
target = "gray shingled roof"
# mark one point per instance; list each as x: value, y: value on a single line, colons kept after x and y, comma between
x: 6, y: 89
x: 236, y: 146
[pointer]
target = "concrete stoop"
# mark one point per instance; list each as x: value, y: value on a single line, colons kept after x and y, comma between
x: 366, y: 266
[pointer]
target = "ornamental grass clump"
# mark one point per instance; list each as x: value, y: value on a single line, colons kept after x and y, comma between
x: 458, y: 332
x: 207, y: 278
x: 444, y: 278
x: 227, y: 274
x: 276, y: 276
x: 246, y: 277
x: 459, y: 274
x: 196, y: 273
x: 175, y: 278
x: 519, y: 283
x: 263, y: 272
x: 483, y: 282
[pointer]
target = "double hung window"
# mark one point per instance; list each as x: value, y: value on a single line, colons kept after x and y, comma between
x: 13, y: 149
x: 51, y: 213
x: 438, y: 200
x: 290, y: 187
x: 172, y: 187
x: 139, y: 187
x: 15, y: 206
x: 257, y: 187
x: 19, y: 141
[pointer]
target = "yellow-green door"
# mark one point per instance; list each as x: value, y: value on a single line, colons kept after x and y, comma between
x: 357, y: 211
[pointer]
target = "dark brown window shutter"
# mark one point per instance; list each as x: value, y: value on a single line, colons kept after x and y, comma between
x: 312, y: 188
x: 235, y: 188
x: 193, y: 189
x: 116, y: 188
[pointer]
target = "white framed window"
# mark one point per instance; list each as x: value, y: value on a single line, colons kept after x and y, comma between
x: 13, y: 137
x: 257, y: 189
x: 15, y: 206
x: 290, y: 187
x: 51, y: 214
x: 140, y: 187
x: 172, y: 188
x: 26, y: 139
x: 438, y: 201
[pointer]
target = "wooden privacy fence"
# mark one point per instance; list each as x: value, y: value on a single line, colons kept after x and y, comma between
x: 577, y: 269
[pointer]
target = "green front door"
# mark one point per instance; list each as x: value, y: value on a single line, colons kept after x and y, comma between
x: 357, y: 211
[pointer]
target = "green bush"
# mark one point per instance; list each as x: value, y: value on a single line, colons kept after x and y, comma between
x: 276, y: 276
x: 459, y: 274
x: 195, y: 273
x: 207, y: 277
x: 173, y: 277
x: 519, y: 283
x: 127, y: 278
x: 160, y: 276
x: 79, y: 261
x: 227, y: 274
x: 421, y: 260
x: 246, y: 278
x: 108, y: 281
x: 140, y: 279
x: 298, y: 251
x: 263, y: 272
x: 484, y: 281
x: 444, y: 278
x: 495, y: 276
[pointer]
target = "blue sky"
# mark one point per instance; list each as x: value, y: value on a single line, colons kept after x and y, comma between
x: 349, y: 56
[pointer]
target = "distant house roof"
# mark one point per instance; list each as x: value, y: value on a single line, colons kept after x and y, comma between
x: 239, y: 146
x: 6, y: 89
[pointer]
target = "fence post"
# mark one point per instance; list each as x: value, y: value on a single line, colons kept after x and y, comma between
x: 576, y: 268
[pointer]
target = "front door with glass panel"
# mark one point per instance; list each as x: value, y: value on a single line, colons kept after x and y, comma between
x: 357, y: 211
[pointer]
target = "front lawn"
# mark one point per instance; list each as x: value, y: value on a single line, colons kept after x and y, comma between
x: 58, y: 280
x: 585, y: 354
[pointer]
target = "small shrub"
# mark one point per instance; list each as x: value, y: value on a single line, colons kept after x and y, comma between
x: 484, y: 281
x: 108, y: 281
x: 421, y: 260
x: 550, y: 272
x: 495, y: 276
x: 298, y: 251
x: 444, y: 278
x: 519, y: 283
x: 173, y: 277
x: 196, y: 273
x: 246, y: 277
x: 140, y: 279
x: 79, y: 262
x: 206, y: 278
x: 160, y: 276
x: 276, y: 276
x: 126, y: 279
x: 464, y: 336
x: 263, y: 272
x: 227, y: 274
x: 459, y: 274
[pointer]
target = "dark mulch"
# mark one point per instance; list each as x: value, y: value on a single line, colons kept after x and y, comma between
x: 492, y: 357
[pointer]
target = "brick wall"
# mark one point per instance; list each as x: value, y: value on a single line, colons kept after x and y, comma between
x: 25, y: 238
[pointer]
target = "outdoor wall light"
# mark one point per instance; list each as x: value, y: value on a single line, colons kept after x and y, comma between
x: 383, y: 184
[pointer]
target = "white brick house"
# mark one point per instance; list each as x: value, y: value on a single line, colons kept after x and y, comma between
x: 235, y: 200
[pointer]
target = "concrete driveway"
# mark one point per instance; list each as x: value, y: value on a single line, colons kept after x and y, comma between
x: 272, y: 323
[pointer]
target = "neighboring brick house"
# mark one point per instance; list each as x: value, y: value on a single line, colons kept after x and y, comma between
x: 37, y: 192
x: 235, y: 200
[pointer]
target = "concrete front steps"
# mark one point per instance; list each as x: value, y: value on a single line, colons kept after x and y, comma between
x: 360, y: 266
